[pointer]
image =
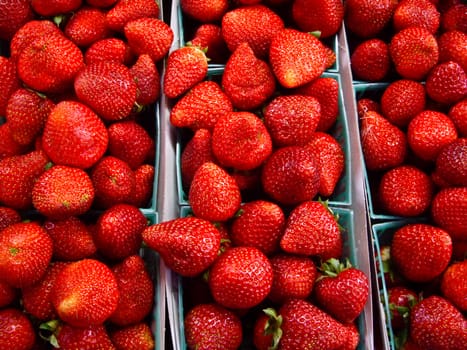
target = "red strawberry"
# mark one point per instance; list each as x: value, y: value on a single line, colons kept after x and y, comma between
x: 188, y: 245
x: 252, y: 93
x: 240, y: 140
x: 291, y: 175
x: 352, y: 338
x: 136, y: 291
x: 454, y: 284
x: 85, y: 293
x: 254, y: 24
x: 63, y: 143
x: 383, y: 144
x: 63, y: 191
x: 416, y: 13
x: 8, y: 294
x: 204, y: 11
x: 322, y: 16
x: 92, y: 337
x: 108, y: 88
x: 450, y: 47
x: 150, y: 36
x: 125, y: 11
x: 214, y: 195
x: 117, y: 233
x: 448, y: 210
x: 421, y: 252
x: 55, y: 7
x: 209, y: 35
x: 428, y: 132
x: 457, y: 114
x: 144, y: 185
x: 210, y: 326
x: 292, y: 119
x: 8, y: 216
x: 109, y: 49
x: 451, y: 163
x: 26, y: 251
x: 296, y: 57
x: 401, y: 300
x: 370, y: 60
x: 9, y: 82
x: 201, y: 107
x: 447, y: 83
x: 86, y: 26
x: 258, y: 224
x: 16, y: 330
x: 293, y: 277
x: 13, y: 15
x: 134, y: 337
x: 366, y: 105
x: 240, y: 278
x: 147, y: 78
x: 414, y: 52
x: 185, y: 67
x: 322, y: 230
x: 454, y: 18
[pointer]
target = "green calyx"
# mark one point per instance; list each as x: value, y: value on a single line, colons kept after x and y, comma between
x: 273, y: 327
x: 333, y: 267
x: 51, y: 327
x: 325, y: 203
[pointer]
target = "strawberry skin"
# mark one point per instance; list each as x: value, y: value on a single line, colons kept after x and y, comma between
x: 128, y: 10
x: 370, y: 60
x: 204, y: 10
x: 55, y: 7
x: 86, y: 26
x: 450, y: 47
x: 109, y: 49
x: 457, y: 113
x: 16, y: 330
x: 147, y: 78
x: 134, y: 337
x: 93, y: 337
x: 13, y: 15
x: 210, y: 35
x: 450, y: 162
x: 454, y: 284
x: 367, y: 18
x: 9, y: 82
x: 323, y: 16
x: 448, y: 211
x: 419, y: 13
x: 446, y: 83
x: 8, y: 216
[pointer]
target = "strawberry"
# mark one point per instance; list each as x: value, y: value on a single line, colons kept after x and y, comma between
x: 450, y: 47
x: 209, y: 35
x: 134, y: 337
x: 13, y: 15
x: 91, y: 337
x: 188, y: 245
x: 72, y: 239
x: 446, y: 83
x: 428, y: 132
x: 401, y: 300
x: 315, y: 221
x: 414, y: 52
x: 63, y: 143
x: 454, y: 18
x: 436, y: 324
x: 9, y: 82
x: 254, y: 24
x: 402, y: 100
x: 108, y: 88
x: 26, y: 251
x: 8, y: 294
x: 296, y: 57
x: 150, y: 36
x: 454, y: 284
x: 457, y: 115
x: 448, y: 211
x: 144, y: 185
x: 147, y: 78
x: 421, y: 252
x: 258, y: 224
x: 322, y: 16
x: 16, y: 330
x: 204, y: 11
x: 118, y: 231
x: 292, y: 119
x: 383, y: 144
x: 85, y: 293
x: 201, y: 107
x: 136, y: 291
x: 8, y: 216
x: 366, y: 105
x: 125, y: 11
x: 240, y: 278
x: 196, y: 152
x: 63, y: 191
x: 240, y: 140
x: 214, y: 195
x: 108, y: 49
x: 185, y: 67
x: 399, y: 199
x: 332, y: 288
x: 450, y: 162
x: 293, y: 277
x: 86, y: 26
x: 55, y: 7
x: 210, y: 326
x: 291, y: 175
x: 416, y: 13
x: 352, y: 338
x: 370, y: 60
x: 250, y: 94
x: 331, y: 160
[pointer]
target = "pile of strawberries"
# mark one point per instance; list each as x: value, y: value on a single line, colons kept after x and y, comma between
x: 414, y: 141
x: 79, y: 81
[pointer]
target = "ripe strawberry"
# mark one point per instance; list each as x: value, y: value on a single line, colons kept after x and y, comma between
x: 109, y: 49
x: 188, y: 245
x: 13, y: 15
x: 9, y: 82
x: 185, y: 67
x: 352, y: 337
x: 210, y: 326
x: 291, y: 175
x: 368, y: 18
x: 118, y: 231
x: 448, y: 210
x: 428, y: 132
x: 63, y: 143
x: 72, y: 239
x: 322, y: 16
x: 414, y: 52
x: 25, y: 253
x: 125, y: 11
x: 55, y: 7
x: 450, y: 47
x: 201, y: 107
x: 416, y: 13
x: 86, y: 26
x: 293, y: 277
x: 401, y: 301
x: 454, y: 18
x: 108, y: 88
x: 16, y: 330
x: 402, y: 100
x: 134, y: 337
x: 436, y: 324
x: 204, y: 11
x: 63, y: 191
x: 366, y: 105
x: 240, y: 278
x: 214, y: 195
x: 370, y: 60
x: 8, y: 216
x: 240, y: 140
x: 296, y: 57
x: 421, y: 252
x: 258, y: 224
x: 91, y: 337
x: 322, y: 230
x: 446, y: 83
x: 331, y: 161
x: 249, y: 181
x: 147, y: 78
x: 136, y: 291
x: 383, y: 144
x: 144, y: 185
x: 196, y: 152
x: 8, y: 294
x: 209, y: 35
x: 454, y: 284
x: 85, y: 293
x: 450, y: 163
x: 457, y: 114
